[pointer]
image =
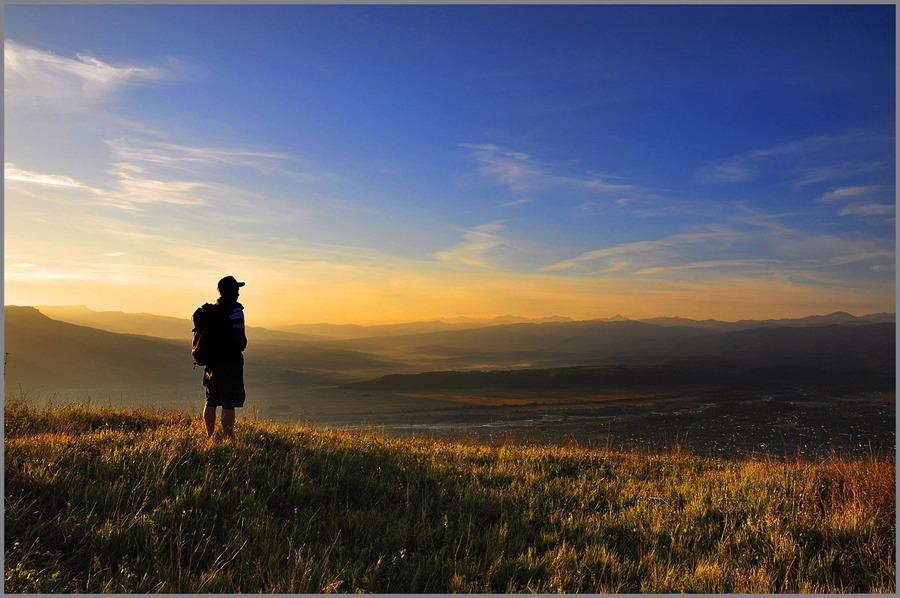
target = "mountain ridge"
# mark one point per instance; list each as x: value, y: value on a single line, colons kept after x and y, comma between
x: 147, y: 324
x: 178, y: 328
x: 45, y: 353
x: 50, y: 353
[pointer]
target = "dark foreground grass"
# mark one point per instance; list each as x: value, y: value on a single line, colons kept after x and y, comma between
x: 99, y: 500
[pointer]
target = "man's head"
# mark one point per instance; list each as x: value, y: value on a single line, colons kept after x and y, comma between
x: 229, y: 287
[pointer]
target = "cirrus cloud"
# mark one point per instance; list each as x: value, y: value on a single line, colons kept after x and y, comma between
x: 42, y: 80
x: 12, y: 173
x: 522, y: 172
x: 477, y: 243
x: 869, y: 200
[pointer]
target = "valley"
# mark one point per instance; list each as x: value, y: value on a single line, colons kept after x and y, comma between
x: 803, y: 388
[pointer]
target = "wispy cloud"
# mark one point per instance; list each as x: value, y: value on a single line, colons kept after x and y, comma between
x: 182, y: 157
x: 70, y: 101
x: 521, y: 172
x: 729, y: 170
x: 133, y: 189
x: 831, y: 250
x: 41, y: 79
x: 722, y: 266
x: 646, y: 254
x: 128, y: 191
x: 60, y: 270
x: 869, y: 200
x: 12, y: 173
x: 749, y: 244
x: 477, y: 243
x: 816, y: 159
x: 517, y: 202
x: 831, y: 172
x: 844, y: 194
x: 872, y: 209
x: 772, y: 224
x: 147, y: 172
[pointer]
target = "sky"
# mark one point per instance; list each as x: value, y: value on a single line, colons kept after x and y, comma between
x: 386, y: 163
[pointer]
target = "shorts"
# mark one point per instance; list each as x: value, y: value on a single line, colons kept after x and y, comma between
x: 224, y: 385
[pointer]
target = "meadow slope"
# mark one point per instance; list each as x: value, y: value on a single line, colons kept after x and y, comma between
x: 101, y: 500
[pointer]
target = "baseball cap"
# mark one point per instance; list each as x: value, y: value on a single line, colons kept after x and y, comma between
x: 230, y: 282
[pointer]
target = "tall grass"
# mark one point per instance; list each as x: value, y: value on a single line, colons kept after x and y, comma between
x: 100, y: 500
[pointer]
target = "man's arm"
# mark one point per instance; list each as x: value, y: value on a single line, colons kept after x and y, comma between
x: 237, y: 324
x: 241, y: 337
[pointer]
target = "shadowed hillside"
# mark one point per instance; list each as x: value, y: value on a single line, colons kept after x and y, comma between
x: 48, y: 353
x: 851, y: 347
x: 148, y: 324
x: 860, y: 347
x: 620, y: 377
x: 45, y: 353
x: 553, y: 343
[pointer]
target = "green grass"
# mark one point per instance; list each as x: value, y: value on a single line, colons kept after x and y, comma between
x: 99, y: 500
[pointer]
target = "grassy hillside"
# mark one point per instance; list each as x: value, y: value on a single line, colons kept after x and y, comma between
x: 139, y: 501
x: 43, y: 352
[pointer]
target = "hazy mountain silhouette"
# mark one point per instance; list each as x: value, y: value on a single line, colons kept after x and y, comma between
x: 838, y: 348
x: 46, y: 353
x: 856, y: 344
x: 148, y: 324
x: 43, y: 352
x: 354, y: 331
x: 177, y: 328
x: 838, y: 317
x: 552, y: 343
x: 860, y: 355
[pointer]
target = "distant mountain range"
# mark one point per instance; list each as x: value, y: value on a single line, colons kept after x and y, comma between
x: 44, y: 351
x: 351, y: 331
x: 836, y: 346
x: 146, y: 324
x: 179, y: 328
x: 838, y: 317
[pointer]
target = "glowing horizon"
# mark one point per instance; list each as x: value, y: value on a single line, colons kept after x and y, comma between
x: 373, y: 164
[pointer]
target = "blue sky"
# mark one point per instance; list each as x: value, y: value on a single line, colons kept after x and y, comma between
x: 383, y: 163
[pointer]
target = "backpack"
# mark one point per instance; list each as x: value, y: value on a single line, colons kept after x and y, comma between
x: 206, y: 344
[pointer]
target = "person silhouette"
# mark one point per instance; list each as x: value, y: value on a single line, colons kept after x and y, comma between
x: 223, y: 377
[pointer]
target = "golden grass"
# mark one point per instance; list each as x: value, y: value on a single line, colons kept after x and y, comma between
x: 99, y: 500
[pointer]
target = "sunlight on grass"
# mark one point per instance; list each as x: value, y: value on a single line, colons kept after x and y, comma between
x: 99, y: 500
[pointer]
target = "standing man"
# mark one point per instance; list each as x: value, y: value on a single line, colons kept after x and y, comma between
x: 223, y: 376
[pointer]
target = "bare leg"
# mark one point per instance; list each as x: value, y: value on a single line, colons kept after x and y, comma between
x: 228, y: 422
x: 209, y: 417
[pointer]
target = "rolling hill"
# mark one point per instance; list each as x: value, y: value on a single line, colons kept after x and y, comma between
x: 44, y: 352
x: 837, y: 318
x: 547, y: 343
x: 149, y: 324
x: 644, y: 354
x: 53, y: 355
x: 353, y: 331
x: 47, y: 353
x: 855, y: 345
